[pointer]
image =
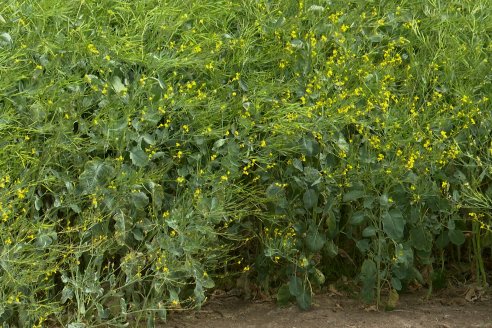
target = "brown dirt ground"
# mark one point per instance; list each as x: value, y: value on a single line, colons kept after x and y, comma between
x: 443, y: 310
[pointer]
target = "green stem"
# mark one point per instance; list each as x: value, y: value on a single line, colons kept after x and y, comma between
x: 481, y: 275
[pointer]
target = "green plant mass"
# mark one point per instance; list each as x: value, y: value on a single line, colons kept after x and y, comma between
x: 153, y: 150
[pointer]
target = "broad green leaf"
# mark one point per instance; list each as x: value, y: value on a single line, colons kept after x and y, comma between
x: 137, y: 234
x: 121, y: 227
x: 76, y: 325
x: 274, y: 191
x: 117, y: 85
x: 46, y: 238
x: 457, y: 237
x: 296, y: 43
x: 310, y: 198
x: 421, y: 239
x: 404, y: 254
x: 38, y: 203
x: 376, y: 38
x: 363, y: 245
x: 151, y: 320
x: 311, y: 146
x: 283, y: 295
x: 297, y: 163
x: 314, y: 239
x: 218, y: 144
x: 67, y: 294
x: 304, y: 299
x: 393, y: 298
x: 442, y: 240
x: 353, y: 195
x: 331, y: 225
x: 316, y: 8
x: 319, y: 276
x: 139, y: 157
x: 6, y: 38
x: 342, y: 143
x: 295, y: 286
x: 396, y: 283
x: 330, y: 249
x: 96, y: 174
x: 140, y: 200
x: 368, y: 275
x: 393, y: 224
x: 384, y: 200
x: 243, y: 85
x: 357, y: 218
x: 369, y: 231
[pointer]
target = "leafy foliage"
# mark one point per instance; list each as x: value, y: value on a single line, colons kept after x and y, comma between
x: 151, y: 150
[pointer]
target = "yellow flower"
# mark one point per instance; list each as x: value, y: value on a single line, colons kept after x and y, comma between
x: 92, y: 49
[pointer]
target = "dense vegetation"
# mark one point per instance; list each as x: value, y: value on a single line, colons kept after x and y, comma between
x: 151, y: 150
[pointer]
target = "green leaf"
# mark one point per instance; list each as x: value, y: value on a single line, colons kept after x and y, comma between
x: 393, y: 224
x: 218, y: 144
x: 296, y: 43
x: 295, y: 286
x: 319, y: 276
x: 310, y: 198
x: 363, y: 245
x: 304, y: 299
x: 376, y: 38
x: 368, y: 275
x: 357, y: 218
x: 353, y: 195
x: 393, y: 298
x: 274, y: 191
x: 421, y: 239
x: 330, y: 249
x: 311, y: 146
x: 396, y: 283
x: 139, y: 157
x: 442, y: 240
x: 243, y: 85
x: 297, y: 163
x: 369, y: 231
x: 96, y: 174
x: 67, y: 294
x: 76, y: 325
x: 457, y: 237
x: 283, y: 295
x: 117, y: 85
x: 139, y: 200
x: 331, y: 225
x: 46, y: 238
x: 121, y: 228
x: 342, y: 143
x: 384, y: 200
x: 314, y: 239
x: 138, y: 234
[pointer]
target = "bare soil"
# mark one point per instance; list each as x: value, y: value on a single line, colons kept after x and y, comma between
x: 452, y: 308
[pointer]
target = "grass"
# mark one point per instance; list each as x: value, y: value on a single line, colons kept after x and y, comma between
x: 153, y: 148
